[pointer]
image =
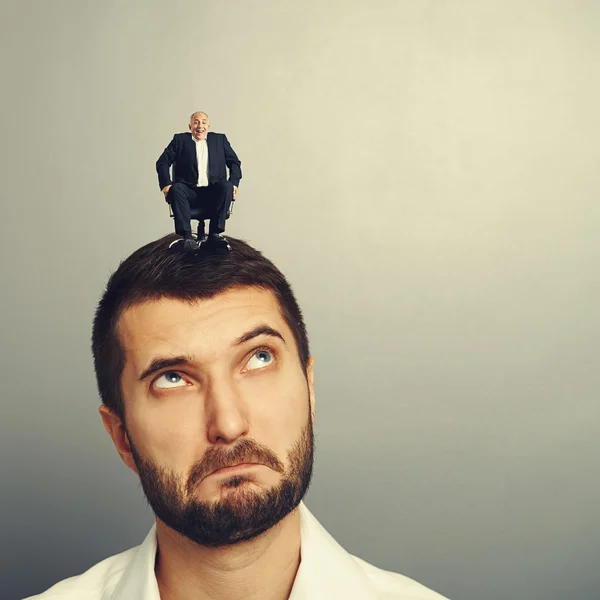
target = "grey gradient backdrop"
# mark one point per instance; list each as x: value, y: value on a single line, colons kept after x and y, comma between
x: 425, y: 172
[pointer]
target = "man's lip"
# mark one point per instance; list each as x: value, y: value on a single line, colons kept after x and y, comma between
x: 231, y: 468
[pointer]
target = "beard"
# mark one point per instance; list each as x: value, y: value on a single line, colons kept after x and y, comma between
x: 242, y: 513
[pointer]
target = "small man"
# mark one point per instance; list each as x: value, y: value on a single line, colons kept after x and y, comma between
x: 199, y: 159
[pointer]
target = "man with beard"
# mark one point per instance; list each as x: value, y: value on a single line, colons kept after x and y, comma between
x: 206, y: 380
x: 199, y: 159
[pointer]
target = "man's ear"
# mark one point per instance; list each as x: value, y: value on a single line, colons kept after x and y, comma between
x: 115, y: 428
x: 310, y: 376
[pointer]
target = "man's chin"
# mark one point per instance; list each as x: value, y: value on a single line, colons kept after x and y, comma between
x: 226, y: 510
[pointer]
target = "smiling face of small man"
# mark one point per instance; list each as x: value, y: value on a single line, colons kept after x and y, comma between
x: 219, y: 413
x: 199, y: 125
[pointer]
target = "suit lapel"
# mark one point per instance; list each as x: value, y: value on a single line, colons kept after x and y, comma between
x: 191, y: 148
x: 210, y: 144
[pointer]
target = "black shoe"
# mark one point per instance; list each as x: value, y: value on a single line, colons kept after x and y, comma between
x: 191, y: 245
x: 216, y: 240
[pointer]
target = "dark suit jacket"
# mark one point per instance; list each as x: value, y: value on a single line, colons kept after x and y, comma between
x: 181, y: 153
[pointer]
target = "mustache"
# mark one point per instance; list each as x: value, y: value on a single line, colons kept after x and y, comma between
x: 245, y: 451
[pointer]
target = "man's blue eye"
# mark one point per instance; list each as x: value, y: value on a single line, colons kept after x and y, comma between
x: 170, y: 379
x: 260, y: 359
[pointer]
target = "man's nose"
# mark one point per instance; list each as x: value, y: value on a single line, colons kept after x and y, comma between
x: 226, y: 412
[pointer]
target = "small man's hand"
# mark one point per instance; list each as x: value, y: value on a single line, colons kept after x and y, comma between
x: 165, y: 191
x: 234, y: 191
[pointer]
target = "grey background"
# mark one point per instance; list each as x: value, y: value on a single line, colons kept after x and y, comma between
x: 426, y: 174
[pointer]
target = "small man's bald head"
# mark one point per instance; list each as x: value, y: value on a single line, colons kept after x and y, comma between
x: 196, y: 114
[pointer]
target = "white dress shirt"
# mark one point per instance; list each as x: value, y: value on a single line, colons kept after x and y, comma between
x: 202, y: 156
x: 326, y: 572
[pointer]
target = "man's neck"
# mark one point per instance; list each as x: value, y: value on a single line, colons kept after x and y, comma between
x: 262, y: 568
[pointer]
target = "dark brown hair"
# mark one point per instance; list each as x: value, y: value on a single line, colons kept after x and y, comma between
x: 156, y: 271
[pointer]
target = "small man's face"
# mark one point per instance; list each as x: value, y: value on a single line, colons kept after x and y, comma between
x: 199, y: 126
x: 218, y: 410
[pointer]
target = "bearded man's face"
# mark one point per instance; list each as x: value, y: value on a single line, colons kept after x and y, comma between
x: 218, y: 413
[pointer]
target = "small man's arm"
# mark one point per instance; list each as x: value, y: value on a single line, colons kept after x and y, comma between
x: 164, y: 162
x: 234, y: 165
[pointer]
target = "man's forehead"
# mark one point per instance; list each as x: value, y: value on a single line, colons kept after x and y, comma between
x: 226, y: 315
x: 200, y: 115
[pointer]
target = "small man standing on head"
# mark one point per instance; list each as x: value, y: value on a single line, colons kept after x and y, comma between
x: 199, y: 161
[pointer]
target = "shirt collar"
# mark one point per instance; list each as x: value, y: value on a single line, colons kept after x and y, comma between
x: 138, y: 579
x: 326, y: 570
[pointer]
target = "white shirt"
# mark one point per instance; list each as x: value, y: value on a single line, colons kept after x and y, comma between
x: 202, y: 156
x: 326, y: 572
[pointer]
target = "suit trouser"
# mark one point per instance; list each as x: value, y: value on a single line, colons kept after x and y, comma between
x: 214, y: 200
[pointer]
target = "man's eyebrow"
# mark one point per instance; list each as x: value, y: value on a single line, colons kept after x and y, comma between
x: 260, y: 330
x: 165, y: 362
x: 161, y: 362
